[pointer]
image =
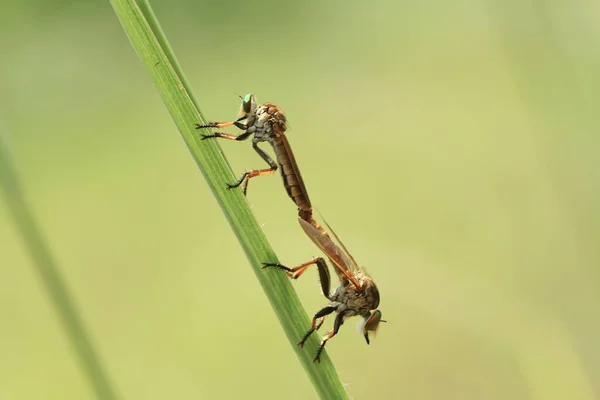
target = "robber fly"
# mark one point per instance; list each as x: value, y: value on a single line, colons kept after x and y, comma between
x: 267, y: 123
x: 356, y: 295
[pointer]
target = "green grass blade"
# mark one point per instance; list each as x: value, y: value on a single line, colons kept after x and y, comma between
x: 146, y: 39
x: 46, y: 267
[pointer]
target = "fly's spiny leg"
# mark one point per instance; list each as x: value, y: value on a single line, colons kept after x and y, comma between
x: 248, y: 175
x: 236, y: 123
x: 339, y: 320
x: 296, y: 272
x: 321, y: 314
x: 309, y: 332
x: 227, y: 136
x: 245, y: 179
x: 264, y: 156
x: 243, y: 136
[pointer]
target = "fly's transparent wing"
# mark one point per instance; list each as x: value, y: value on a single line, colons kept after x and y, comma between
x: 339, y: 260
x: 354, y: 264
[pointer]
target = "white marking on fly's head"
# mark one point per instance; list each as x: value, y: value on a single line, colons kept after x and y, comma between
x: 360, y: 327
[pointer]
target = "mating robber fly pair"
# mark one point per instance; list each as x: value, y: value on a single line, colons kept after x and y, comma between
x: 357, y: 293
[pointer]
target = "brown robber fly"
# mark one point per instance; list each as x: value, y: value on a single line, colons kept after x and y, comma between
x: 356, y: 295
x: 267, y: 123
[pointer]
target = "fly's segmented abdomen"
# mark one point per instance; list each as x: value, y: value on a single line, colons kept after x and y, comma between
x: 292, y: 180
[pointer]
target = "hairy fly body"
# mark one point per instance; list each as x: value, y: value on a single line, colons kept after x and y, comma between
x: 357, y: 293
x: 267, y: 123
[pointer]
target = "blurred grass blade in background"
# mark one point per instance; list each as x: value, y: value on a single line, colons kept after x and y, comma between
x: 48, y: 270
x: 152, y: 48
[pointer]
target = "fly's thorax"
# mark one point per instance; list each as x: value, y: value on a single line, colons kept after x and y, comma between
x: 370, y: 291
x: 263, y: 133
x: 361, y: 301
x: 262, y: 114
x: 343, y: 307
x: 261, y: 125
x: 275, y: 115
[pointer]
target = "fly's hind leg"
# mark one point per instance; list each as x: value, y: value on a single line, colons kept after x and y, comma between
x: 325, y: 280
x: 245, y: 179
x: 296, y: 272
x: 248, y: 175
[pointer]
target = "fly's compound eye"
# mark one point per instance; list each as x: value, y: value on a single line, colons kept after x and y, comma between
x: 247, y: 103
x: 372, y: 324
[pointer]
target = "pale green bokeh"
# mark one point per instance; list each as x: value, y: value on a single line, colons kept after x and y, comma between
x: 454, y: 147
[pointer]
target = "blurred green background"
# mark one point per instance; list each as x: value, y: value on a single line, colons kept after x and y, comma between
x: 454, y: 146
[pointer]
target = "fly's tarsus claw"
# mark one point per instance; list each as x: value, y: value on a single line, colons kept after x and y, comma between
x: 305, y: 337
x: 206, y: 126
x: 214, y: 135
x: 274, y: 265
x: 318, y: 355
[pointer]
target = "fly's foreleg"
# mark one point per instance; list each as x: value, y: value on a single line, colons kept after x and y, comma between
x: 296, y: 272
x: 320, y: 315
x: 227, y: 136
x: 339, y: 320
x: 219, y: 125
x: 245, y: 135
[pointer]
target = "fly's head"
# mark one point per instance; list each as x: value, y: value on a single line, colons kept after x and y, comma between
x: 248, y: 106
x: 370, y: 323
x: 371, y: 319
